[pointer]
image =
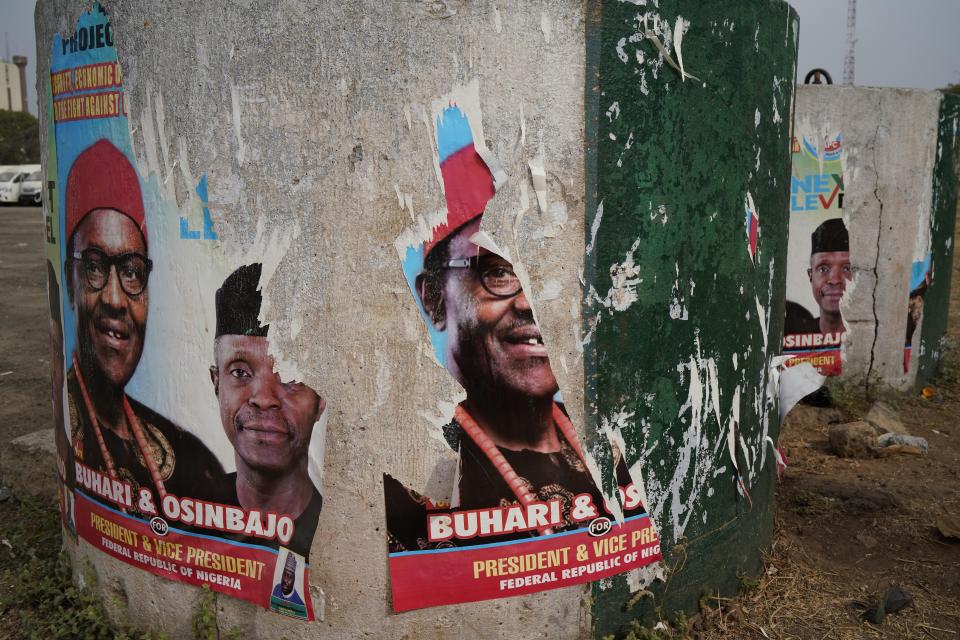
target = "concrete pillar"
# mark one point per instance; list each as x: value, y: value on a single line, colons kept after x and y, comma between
x: 936, y: 305
x: 684, y: 272
x: 640, y: 159
x: 895, y: 152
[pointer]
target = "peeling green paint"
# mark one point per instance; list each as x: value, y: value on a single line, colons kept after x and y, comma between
x: 676, y: 355
x: 936, y: 305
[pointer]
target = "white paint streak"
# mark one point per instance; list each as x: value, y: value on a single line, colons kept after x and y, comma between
x: 613, y: 111
x: 678, y: 310
x: 625, y: 278
x: 733, y: 425
x: 776, y: 452
x: 621, y: 53
x: 695, y: 461
x: 776, y: 90
x: 595, y: 227
x: 682, y: 507
x: 762, y: 319
x: 664, y: 52
x: 643, y: 577
x: 612, y: 427
x: 680, y: 27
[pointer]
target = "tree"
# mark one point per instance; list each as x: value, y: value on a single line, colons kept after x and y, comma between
x: 19, y: 138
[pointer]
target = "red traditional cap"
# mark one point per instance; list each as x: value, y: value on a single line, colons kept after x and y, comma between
x: 467, y: 181
x: 103, y: 178
x: 468, y: 187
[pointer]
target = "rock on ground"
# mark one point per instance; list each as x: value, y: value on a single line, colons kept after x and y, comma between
x: 854, y: 440
x: 36, y: 442
x: 885, y: 418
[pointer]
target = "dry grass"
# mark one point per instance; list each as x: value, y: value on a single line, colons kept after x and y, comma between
x: 795, y: 600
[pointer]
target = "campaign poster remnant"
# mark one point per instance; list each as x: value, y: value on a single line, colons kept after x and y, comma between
x: 64, y: 458
x: 818, y: 261
x: 523, y: 513
x: 190, y: 459
x: 920, y: 280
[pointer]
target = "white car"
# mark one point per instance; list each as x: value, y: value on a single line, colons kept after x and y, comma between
x: 10, y: 181
x: 31, y: 189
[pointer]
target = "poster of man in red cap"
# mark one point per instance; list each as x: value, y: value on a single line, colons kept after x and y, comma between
x: 524, y: 513
x: 107, y: 271
x: 215, y: 485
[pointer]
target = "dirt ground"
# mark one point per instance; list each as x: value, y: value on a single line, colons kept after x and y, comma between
x: 24, y: 349
x: 846, y: 529
x: 24, y: 378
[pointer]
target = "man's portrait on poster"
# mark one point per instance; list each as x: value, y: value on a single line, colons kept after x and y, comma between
x: 269, y: 422
x: 106, y: 273
x: 517, y: 448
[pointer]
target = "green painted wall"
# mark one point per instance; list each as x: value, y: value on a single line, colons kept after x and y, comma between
x: 681, y: 324
x: 936, y: 306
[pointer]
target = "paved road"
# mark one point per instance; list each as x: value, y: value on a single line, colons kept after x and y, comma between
x: 24, y: 347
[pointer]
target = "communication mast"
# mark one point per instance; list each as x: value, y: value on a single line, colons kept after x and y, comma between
x: 849, y: 62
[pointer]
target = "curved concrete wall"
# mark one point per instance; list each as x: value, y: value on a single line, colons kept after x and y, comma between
x: 643, y: 208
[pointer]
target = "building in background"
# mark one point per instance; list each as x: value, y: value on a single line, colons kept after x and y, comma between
x: 13, y: 84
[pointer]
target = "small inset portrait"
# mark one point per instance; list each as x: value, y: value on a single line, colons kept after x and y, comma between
x: 287, y: 596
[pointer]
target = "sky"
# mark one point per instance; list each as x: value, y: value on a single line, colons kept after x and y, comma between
x: 899, y: 44
x: 17, y: 35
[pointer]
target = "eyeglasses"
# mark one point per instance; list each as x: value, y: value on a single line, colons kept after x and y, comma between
x: 133, y: 269
x: 498, y: 280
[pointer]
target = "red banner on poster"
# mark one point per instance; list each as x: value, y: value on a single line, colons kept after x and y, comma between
x: 466, y: 574
x: 241, y: 570
x: 828, y: 362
